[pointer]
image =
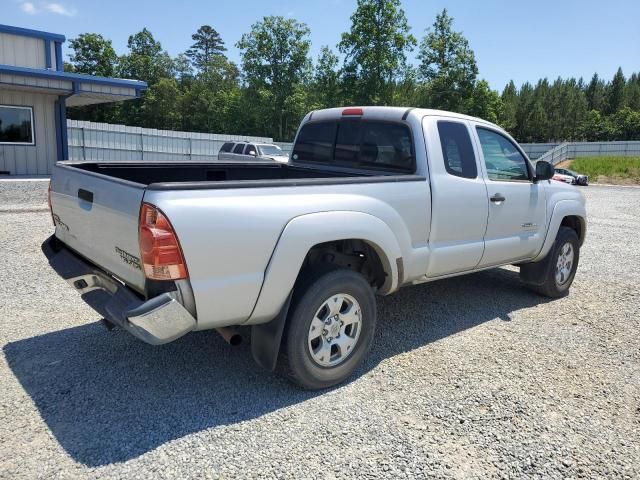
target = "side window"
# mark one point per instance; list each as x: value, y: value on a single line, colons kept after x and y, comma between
x: 503, y: 160
x: 250, y: 150
x: 457, y: 150
x: 226, y: 147
x: 315, y: 142
x: 239, y: 148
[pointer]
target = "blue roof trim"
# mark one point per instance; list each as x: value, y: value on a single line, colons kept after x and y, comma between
x: 27, y: 32
x: 47, y: 54
x: 72, y: 77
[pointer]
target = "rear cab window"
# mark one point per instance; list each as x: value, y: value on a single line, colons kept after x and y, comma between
x: 239, y: 148
x: 357, y: 143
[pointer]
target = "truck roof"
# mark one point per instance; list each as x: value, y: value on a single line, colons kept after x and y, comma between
x: 388, y: 113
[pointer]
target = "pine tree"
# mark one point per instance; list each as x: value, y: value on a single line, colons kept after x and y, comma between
x: 208, y: 44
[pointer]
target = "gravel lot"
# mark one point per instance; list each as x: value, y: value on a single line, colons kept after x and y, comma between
x: 473, y: 377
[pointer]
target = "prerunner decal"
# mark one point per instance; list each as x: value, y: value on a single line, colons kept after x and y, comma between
x: 129, y: 259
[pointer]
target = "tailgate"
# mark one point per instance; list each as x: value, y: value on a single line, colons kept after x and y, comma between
x: 97, y: 216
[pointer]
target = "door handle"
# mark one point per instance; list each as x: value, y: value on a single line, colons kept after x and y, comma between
x: 497, y: 198
x: 85, y: 195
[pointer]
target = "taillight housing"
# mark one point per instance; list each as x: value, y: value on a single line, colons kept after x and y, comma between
x: 160, y: 250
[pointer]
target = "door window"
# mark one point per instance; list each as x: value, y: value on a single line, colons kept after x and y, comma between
x: 503, y: 160
x: 238, y: 149
x: 457, y: 150
x: 250, y: 150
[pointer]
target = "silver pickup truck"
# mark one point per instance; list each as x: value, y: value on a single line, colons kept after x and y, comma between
x: 373, y: 199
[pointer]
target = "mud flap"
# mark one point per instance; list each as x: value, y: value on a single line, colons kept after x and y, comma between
x: 266, y: 338
x: 536, y: 273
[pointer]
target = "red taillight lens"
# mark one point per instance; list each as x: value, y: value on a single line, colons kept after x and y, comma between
x: 159, y: 248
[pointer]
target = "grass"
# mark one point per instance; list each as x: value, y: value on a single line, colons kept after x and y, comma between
x: 609, y: 169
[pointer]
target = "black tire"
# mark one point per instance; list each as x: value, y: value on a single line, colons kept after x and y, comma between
x: 550, y: 287
x: 296, y: 360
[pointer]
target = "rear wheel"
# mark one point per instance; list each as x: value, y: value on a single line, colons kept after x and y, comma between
x: 330, y: 329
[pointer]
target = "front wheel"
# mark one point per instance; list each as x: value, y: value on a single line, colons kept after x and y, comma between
x: 563, y: 263
x: 330, y: 329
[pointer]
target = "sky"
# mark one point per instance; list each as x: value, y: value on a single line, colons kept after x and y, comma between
x: 512, y: 40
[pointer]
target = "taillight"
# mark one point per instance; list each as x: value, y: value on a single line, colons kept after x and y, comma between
x: 159, y: 248
x: 49, y: 202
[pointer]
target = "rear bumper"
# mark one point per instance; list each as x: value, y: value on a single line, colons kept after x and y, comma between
x: 159, y: 320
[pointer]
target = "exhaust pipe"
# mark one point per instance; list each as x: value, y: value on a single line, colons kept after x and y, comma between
x: 230, y: 335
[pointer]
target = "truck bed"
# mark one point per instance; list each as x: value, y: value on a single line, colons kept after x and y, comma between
x: 147, y: 173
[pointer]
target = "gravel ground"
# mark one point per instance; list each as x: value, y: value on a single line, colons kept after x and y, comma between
x: 473, y: 377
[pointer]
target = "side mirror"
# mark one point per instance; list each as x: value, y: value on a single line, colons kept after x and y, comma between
x: 252, y: 152
x: 544, y: 171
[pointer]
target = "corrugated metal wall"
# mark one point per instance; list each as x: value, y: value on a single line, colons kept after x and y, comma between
x: 23, y: 51
x: 107, y: 142
x: 31, y: 159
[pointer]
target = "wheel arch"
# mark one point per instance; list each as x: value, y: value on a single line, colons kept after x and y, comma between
x: 308, y: 234
x: 569, y: 213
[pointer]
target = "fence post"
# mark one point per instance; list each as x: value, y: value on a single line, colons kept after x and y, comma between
x: 84, y: 145
x: 190, y: 150
x: 142, y: 145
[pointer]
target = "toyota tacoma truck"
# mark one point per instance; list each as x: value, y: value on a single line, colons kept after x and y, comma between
x: 372, y: 200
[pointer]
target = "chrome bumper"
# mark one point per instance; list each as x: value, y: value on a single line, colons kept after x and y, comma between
x: 159, y: 320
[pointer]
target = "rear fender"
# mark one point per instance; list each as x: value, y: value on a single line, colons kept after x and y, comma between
x: 304, y: 232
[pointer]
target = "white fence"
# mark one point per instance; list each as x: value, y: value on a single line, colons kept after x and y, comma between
x: 565, y: 151
x: 108, y: 142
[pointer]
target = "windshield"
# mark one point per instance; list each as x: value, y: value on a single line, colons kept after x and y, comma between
x: 271, y: 150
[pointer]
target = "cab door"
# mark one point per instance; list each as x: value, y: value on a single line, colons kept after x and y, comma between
x: 517, y: 206
x: 459, y: 207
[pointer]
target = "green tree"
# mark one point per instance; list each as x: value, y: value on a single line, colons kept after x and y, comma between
x: 626, y: 124
x: 208, y: 44
x: 183, y: 70
x: 633, y: 92
x: 161, y: 107
x: 93, y: 54
x: 275, y: 63
x: 375, y: 50
x: 146, y: 59
x: 596, y: 94
x: 212, y: 102
x: 447, y: 65
x: 596, y: 127
x: 615, y: 92
x: 484, y: 102
x: 325, y: 86
x: 508, y: 114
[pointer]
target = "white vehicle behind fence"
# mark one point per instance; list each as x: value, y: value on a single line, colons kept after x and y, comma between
x: 372, y: 200
x: 251, y: 152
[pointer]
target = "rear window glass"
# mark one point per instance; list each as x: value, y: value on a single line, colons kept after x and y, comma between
x: 315, y: 142
x: 226, y: 147
x: 356, y: 143
x: 457, y: 151
x: 239, y: 148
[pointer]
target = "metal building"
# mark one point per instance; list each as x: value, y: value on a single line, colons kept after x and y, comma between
x: 34, y: 94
